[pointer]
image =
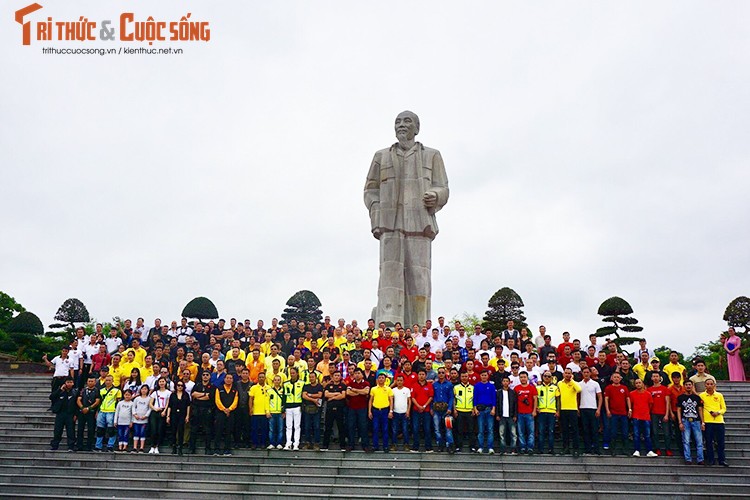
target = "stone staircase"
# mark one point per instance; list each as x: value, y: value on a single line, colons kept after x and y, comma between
x: 29, y: 470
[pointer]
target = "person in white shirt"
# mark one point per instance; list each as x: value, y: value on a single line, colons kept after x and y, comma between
x: 113, y: 342
x: 535, y: 374
x: 642, y: 348
x: 510, y: 348
x: 478, y: 336
x: 62, y: 365
x: 376, y: 355
x: 76, y: 358
x: 189, y: 384
x: 539, y: 340
x: 436, y: 342
x: 592, y: 343
x: 575, y: 363
x: 590, y: 408
x: 401, y: 410
x: 141, y: 328
x: 514, y: 376
x: 461, y: 337
x: 421, y: 338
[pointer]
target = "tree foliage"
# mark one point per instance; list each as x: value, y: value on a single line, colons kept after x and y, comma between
x: 504, y: 305
x: 8, y: 307
x: 70, y: 312
x: 303, y: 306
x: 467, y: 320
x: 737, y: 313
x: 617, y: 311
x: 26, y: 322
x: 200, y: 308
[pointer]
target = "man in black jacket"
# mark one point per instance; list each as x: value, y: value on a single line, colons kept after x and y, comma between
x: 88, y: 401
x: 64, y: 407
x: 505, y: 413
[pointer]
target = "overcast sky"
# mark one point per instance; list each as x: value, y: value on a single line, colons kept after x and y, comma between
x: 592, y: 148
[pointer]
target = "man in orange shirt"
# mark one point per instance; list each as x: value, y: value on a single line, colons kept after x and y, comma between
x: 255, y: 365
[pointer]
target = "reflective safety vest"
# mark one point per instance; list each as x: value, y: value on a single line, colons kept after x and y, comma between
x: 275, y: 402
x: 464, y: 395
x: 293, y: 393
x: 547, y: 400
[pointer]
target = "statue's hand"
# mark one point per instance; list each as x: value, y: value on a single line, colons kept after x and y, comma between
x: 376, y: 233
x: 430, y: 199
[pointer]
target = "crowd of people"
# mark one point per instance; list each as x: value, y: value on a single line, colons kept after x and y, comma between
x: 424, y: 388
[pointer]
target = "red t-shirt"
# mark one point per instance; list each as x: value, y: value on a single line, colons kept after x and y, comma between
x: 561, y: 348
x: 421, y: 393
x: 479, y: 368
x: 675, y: 393
x: 366, y: 344
x: 563, y: 360
x: 357, y: 402
x: 612, y: 359
x: 591, y: 361
x: 642, y: 402
x: 410, y: 354
x: 409, y: 380
x: 659, y: 395
x: 617, y: 399
x: 525, y: 398
x: 473, y: 378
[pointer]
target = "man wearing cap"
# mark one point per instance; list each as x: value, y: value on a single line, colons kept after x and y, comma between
x: 655, y: 367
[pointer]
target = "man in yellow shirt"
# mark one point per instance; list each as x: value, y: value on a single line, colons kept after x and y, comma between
x: 714, y: 409
x: 274, y: 354
x: 259, y: 412
x: 120, y: 370
x: 265, y: 347
x: 380, y: 409
x: 548, y: 408
x: 568, y: 390
x: 643, y: 367
x: 674, y: 366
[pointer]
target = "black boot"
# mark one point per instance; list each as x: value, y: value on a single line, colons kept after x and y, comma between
x: 174, y: 450
x: 179, y: 451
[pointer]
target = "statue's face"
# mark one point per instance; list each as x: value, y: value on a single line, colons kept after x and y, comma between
x: 406, y: 126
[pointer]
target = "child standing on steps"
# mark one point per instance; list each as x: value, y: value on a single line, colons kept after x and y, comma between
x: 124, y: 420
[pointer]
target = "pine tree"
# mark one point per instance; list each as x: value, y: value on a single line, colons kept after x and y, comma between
x: 617, y: 311
x: 303, y: 306
x: 200, y: 308
x: 504, y: 305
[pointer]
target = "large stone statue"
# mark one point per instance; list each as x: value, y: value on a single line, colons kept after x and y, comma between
x: 406, y: 185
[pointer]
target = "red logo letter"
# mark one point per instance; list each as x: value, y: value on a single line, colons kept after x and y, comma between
x: 26, y: 26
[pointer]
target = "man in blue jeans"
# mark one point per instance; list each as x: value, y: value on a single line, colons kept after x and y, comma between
x: 357, y: 395
x: 485, y: 398
x: 526, y: 404
x: 690, y: 418
x: 442, y: 405
x: 422, y: 394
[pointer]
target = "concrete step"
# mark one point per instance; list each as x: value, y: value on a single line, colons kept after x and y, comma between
x: 187, y: 487
x: 171, y: 467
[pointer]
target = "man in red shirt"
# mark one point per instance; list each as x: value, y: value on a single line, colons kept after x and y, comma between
x: 469, y: 368
x: 565, y: 357
x: 660, y: 415
x: 410, y: 377
x: 411, y: 352
x: 422, y: 394
x: 526, y: 398
x: 484, y: 365
x: 642, y: 403
x: 566, y: 342
x: 357, y: 398
x: 617, y: 404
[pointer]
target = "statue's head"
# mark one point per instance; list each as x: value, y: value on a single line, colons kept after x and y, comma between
x: 407, y: 125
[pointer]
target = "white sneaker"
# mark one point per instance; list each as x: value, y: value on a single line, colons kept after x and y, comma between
x: 651, y: 454
x: 480, y: 450
x: 636, y: 453
x: 491, y: 451
x: 156, y: 451
x: 270, y: 447
x: 296, y: 447
x: 151, y: 451
x: 288, y: 447
x: 279, y: 447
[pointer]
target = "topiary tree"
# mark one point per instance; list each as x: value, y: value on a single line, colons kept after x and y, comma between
x: 200, y: 308
x: 24, y: 331
x: 303, y: 306
x: 737, y: 314
x: 504, y: 305
x: 70, y: 312
x: 617, y: 311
